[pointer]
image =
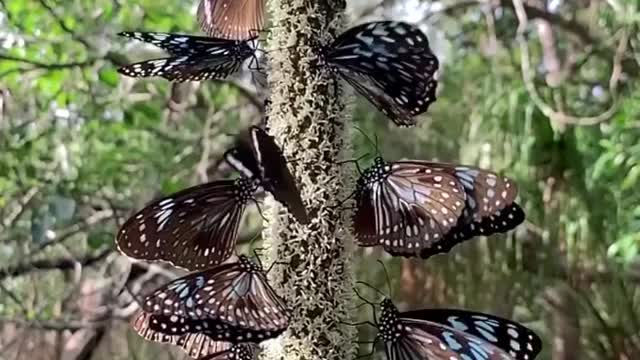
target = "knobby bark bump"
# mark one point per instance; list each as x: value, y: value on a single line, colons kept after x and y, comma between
x: 307, y: 118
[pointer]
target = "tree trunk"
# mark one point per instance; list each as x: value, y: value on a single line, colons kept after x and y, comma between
x: 307, y: 118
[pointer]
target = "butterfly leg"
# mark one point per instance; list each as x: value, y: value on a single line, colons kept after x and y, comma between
x: 370, y: 353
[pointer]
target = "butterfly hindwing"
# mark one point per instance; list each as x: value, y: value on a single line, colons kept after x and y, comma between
x: 196, y: 345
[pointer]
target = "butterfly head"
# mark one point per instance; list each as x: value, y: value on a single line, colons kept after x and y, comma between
x: 390, y: 327
x: 377, y: 172
x: 246, y: 187
x: 248, y: 265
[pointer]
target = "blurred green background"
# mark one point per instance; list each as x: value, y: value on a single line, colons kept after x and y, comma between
x: 82, y: 147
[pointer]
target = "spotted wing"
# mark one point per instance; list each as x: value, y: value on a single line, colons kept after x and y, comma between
x: 196, y: 345
x: 411, y: 209
x: 519, y: 341
x: 194, y: 58
x: 183, y: 68
x: 231, y: 19
x: 195, y: 228
x: 236, y: 294
x: 390, y: 64
x: 174, y: 325
x: 490, y: 206
x: 184, y: 45
x: 421, y: 340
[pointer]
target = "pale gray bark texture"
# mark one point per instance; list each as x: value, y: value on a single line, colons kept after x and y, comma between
x: 307, y: 118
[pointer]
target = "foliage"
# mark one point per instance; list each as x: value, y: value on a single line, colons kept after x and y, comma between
x: 82, y: 147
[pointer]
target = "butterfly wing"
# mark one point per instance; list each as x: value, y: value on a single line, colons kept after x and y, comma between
x: 376, y: 95
x: 194, y: 58
x: 421, y: 340
x: 196, y: 345
x: 195, y: 228
x: 410, y: 208
x: 519, y: 341
x: 231, y: 19
x: 392, y: 65
x: 490, y: 205
x: 276, y: 177
x: 236, y: 294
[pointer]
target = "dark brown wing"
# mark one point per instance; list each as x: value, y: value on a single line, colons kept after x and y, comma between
x: 275, y: 175
x: 194, y: 229
x: 231, y: 19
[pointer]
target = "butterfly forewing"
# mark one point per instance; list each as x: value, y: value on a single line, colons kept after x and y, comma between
x: 194, y: 58
x: 390, y: 64
x: 259, y: 156
x: 275, y: 174
x: 195, y: 228
x: 196, y: 345
x: 519, y: 341
x: 236, y: 294
x: 231, y: 19
x: 413, y: 207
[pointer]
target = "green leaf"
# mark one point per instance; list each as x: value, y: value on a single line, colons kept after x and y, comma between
x: 108, y: 76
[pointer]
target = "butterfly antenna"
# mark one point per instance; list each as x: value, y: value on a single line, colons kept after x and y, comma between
x: 372, y: 287
x: 133, y: 296
x: 386, y: 275
x: 259, y: 209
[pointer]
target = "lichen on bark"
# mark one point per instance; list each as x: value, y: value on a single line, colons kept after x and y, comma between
x: 307, y: 118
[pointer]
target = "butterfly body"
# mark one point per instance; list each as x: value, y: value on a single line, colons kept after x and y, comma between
x: 390, y: 64
x: 447, y: 334
x: 419, y: 208
x: 193, y: 58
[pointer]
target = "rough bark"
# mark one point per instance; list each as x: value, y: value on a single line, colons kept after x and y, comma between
x: 307, y: 118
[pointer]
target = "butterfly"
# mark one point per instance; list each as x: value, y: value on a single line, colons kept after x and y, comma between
x: 449, y: 334
x: 261, y: 157
x: 195, y: 228
x: 231, y: 19
x: 192, y: 58
x: 390, y: 64
x: 230, y: 298
x: 199, y: 346
x: 421, y: 208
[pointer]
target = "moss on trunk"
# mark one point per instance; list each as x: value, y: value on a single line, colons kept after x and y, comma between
x: 307, y: 117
